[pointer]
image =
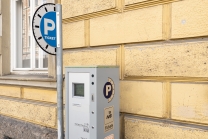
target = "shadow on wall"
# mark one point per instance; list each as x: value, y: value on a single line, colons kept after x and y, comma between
x: 6, y: 137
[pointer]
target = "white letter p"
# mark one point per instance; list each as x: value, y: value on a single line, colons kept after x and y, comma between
x: 107, y: 89
x: 48, y: 28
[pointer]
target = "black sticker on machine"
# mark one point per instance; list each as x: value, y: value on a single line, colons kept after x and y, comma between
x: 109, y: 90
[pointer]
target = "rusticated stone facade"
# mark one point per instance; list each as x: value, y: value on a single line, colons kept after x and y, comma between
x: 161, y: 47
x: 15, y: 129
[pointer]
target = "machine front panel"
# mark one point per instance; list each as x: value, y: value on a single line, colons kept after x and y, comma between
x: 79, y: 105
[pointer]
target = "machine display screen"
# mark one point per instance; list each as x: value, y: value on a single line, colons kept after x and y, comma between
x: 79, y: 89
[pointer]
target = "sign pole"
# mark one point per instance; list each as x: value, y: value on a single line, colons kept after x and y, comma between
x: 59, y: 57
x: 49, y: 39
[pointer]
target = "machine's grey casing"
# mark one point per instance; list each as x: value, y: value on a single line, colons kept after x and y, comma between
x: 97, y: 104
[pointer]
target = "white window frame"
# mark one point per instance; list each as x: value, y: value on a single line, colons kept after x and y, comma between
x: 14, y: 42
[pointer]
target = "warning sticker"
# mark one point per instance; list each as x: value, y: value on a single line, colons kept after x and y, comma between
x: 110, y: 137
x: 109, y: 121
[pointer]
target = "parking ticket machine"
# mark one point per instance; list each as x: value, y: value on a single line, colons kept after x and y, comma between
x: 92, y: 102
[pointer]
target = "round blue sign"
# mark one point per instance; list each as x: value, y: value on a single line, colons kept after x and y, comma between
x: 48, y: 28
x: 44, y: 27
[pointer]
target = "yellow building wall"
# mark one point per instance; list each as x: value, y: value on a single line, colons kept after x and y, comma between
x: 145, y: 129
x: 35, y: 105
x: 161, y: 47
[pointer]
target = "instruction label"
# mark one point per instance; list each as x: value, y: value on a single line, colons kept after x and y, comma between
x: 109, y: 118
x: 85, y: 126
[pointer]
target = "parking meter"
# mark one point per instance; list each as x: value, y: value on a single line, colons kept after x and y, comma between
x: 92, y: 102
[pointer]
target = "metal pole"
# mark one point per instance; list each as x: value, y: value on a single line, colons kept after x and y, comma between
x: 59, y: 57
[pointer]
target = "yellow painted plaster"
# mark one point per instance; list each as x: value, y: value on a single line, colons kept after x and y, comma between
x: 87, y: 32
x: 127, y: 2
x: 141, y: 129
x: 28, y: 111
x: 139, y: 4
x: 145, y: 98
x: 10, y: 91
x: 122, y: 125
x: 0, y: 45
x: 134, y: 26
x: 73, y: 8
x: 189, y: 18
x: 166, y: 21
x: 40, y: 94
x: 51, y: 66
x: 166, y: 100
x: 187, y: 59
x: 5, y: 38
x: 107, y: 56
x: 190, y: 102
x: 74, y: 35
x: 146, y: 2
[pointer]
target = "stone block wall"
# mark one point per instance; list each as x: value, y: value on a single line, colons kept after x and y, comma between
x: 161, y: 48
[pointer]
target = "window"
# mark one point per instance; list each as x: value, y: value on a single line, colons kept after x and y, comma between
x: 36, y: 3
x: 44, y: 1
x: 26, y: 54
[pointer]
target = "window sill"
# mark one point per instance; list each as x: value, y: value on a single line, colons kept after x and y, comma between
x: 29, y: 80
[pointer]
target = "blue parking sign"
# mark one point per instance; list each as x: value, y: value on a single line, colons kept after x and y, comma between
x: 48, y: 28
x: 44, y: 27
